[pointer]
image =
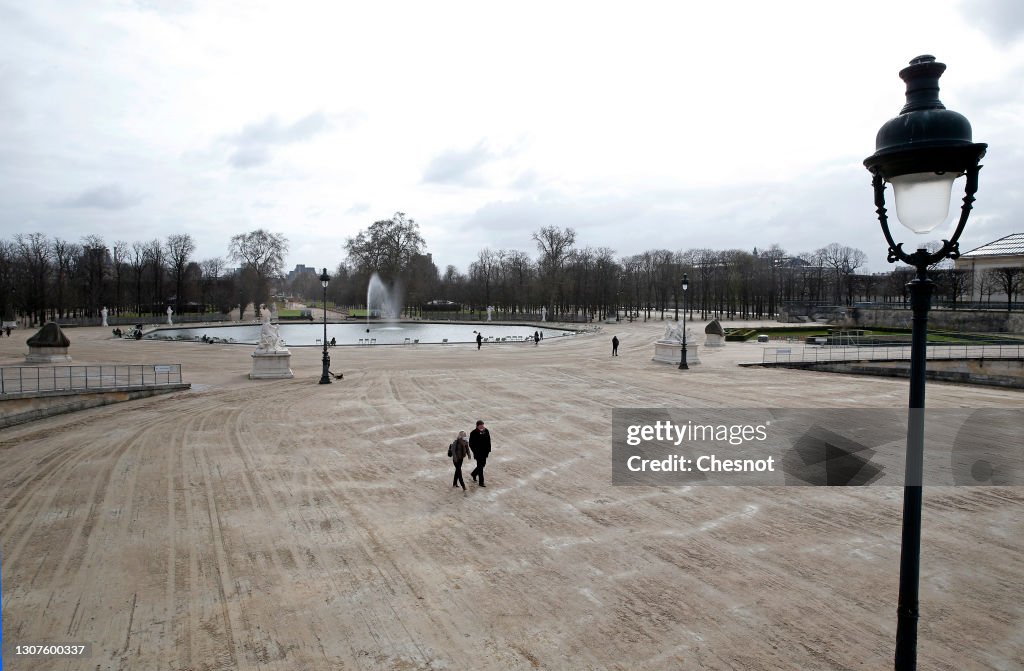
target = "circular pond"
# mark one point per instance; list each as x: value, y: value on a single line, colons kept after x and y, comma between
x: 383, y: 333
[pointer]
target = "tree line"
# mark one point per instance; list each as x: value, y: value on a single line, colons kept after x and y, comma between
x: 572, y: 281
x: 49, y: 279
x: 44, y: 278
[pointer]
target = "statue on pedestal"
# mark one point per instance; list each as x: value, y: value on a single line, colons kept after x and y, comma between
x: 270, y: 336
x: 271, y: 359
x: 674, y: 331
x: 169, y: 313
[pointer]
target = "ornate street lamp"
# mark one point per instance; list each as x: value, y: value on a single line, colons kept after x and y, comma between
x: 920, y: 152
x: 685, y: 284
x: 325, y: 376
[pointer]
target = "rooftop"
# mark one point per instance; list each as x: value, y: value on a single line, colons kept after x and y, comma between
x: 1005, y: 246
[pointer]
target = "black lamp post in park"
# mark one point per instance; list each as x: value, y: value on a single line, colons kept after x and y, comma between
x: 325, y: 376
x: 685, y: 284
x: 920, y: 152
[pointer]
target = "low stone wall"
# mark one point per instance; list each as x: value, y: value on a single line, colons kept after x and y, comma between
x: 978, y: 321
x: 27, y: 407
x: 988, y: 372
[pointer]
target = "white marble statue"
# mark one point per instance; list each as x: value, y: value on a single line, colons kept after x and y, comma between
x: 543, y: 314
x: 103, y: 313
x: 674, y: 331
x: 666, y: 350
x: 270, y: 337
x: 169, y: 313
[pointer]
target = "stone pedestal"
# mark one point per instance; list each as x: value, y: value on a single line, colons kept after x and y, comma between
x: 49, y: 345
x: 714, y: 340
x: 714, y: 334
x: 47, y: 355
x: 670, y: 351
x: 271, y: 365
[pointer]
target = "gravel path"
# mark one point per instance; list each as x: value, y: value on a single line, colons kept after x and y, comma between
x: 290, y: 525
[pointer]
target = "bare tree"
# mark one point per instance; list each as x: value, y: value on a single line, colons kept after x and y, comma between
x: 261, y: 254
x: 137, y: 262
x: 844, y: 261
x: 482, y: 274
x: 34, y: 259
x: 959, y: 282
x: 1008, y: 279
x: 554, y: 245
x: 120, y: 259
x: 180, y: 247
x: 154, y: 257
x: 210, y: 272
x: 94, y: 271
x: 64, y: 254
x: 8, y: 273
x: 387, y: 247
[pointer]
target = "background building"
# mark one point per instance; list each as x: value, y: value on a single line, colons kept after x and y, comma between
x: 996, y: 269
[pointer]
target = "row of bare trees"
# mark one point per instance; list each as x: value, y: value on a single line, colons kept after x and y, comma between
x: 51, y: 278
x: 44, y: 278
x: 575, y: 282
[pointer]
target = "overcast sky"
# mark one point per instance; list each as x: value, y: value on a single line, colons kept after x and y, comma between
x: 640, y: 124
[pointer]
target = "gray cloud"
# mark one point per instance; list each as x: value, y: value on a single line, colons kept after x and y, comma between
x: 253, y: 144
x: 106, y: 197
x: 999, y: 19
x: 459, y: 167
x: 358, y: 208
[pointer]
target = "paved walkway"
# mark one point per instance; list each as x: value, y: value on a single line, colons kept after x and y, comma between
x: 290, y: 525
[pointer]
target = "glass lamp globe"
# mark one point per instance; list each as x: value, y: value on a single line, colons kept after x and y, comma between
x: 922, y: 199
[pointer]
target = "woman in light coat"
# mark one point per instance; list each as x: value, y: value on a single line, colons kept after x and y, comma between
x: 460, y: 450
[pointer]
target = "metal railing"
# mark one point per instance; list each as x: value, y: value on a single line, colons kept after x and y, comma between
x: 889, y: 353
x: 29, y: 379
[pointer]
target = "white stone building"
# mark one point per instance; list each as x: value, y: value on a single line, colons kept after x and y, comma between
x: 1006, y: 252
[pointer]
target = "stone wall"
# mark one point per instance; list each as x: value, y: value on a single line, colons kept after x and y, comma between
x: 983, y: 321
x: 989, y: 372
x: 21, y: 408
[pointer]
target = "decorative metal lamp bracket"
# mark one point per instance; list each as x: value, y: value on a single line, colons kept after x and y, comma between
x: 921, y: 259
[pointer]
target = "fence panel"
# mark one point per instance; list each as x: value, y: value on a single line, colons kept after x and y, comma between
x: 890, y: 353
x: 32, y: 379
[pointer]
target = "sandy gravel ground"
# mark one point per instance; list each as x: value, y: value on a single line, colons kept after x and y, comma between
x: 285, y: 525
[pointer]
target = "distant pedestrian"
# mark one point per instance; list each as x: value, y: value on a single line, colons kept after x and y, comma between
x: 536, y: 338
x: 479, y: 340
x: 480, y: 446
x: 615, y: 345
x: 459, y: 451
x: 8, y: 330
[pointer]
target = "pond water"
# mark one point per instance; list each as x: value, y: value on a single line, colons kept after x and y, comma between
x: 383, y: 333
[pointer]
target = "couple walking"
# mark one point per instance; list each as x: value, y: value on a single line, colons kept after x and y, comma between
x: 478, y: 444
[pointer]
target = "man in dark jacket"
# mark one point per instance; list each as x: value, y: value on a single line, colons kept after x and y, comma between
x: 480, y: 445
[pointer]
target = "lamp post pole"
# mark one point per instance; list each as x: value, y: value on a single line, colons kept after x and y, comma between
x: 920, y: 152
x: 325, y: 376
x: 685, y: 284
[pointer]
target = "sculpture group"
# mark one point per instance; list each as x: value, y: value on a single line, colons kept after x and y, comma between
x: 271, y: 359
